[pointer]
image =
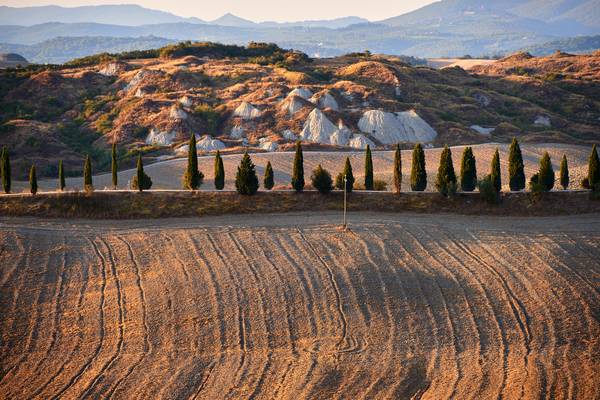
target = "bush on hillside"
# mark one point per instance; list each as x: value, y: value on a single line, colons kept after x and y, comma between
x: 321, y: 180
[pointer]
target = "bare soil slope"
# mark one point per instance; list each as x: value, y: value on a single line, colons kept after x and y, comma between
x: 286, y: 307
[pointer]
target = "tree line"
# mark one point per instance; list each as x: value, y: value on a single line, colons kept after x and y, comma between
x: 447, y: 182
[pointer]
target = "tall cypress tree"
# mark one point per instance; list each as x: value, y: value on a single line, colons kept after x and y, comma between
x: 594, y: 170
x: 246, y: 181
x: 219, y: 172
x: 5, y: 166
x: 546, y: 175
x: 140, y: 172
x: 564, y: 173
x: 114, y: 166
x: 368, y: 169
x: 87, y: 175
x: 418, y: 174
x: 33, y: 186
x: 468, y: 171
x: 192, y: 179
x: 347, y: 172
x: 269, y: 180
x: 516, y: 168
x: 496, y: 174
x: 446, y: 178
x: 398, y: 169
x: 298, y: 169
x: 61, y: 176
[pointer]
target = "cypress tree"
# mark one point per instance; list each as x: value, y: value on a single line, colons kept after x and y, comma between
x: 141, y: 181
x: 496, y: 174
x: 446, y: 178
x: 87, y: 175
x: 398, y: 169
x: 368, y: 169
x: 298, y: 169
x: 594, y: 170
x: 219, y: 172
x: 246, y: 181
x: 61, y: 176
x: 349, y: 176
x: 268, y: 181
x: 114, y: 166
x: 418, y: 174
x: 564, y: 173
x: 192, y: 179
x: 516, y: 168
x: 468, y: 171
x: 546, y: 175
x: 33, y: 186
x: 5, y: 166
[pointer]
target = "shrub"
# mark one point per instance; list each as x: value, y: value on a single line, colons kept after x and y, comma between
x: 140, y: 180
x: 534, y: 183
x: 298, y: 169
x: 321, y: 180
x: 61, y: 176
x: 210, y: 116
x: 564, y: 173
x: 418, y: 174
x: 495, y: 175
x: 468, y: 171
x: 379, y: 185
x: 488, y: 191
x: 594, y: 170
x: 246, y: 181
x: 347, y: 172
x: 192, y: 179
x: 33, y: 186
x: 546, y: 175
x: 398, y: 169
x: 219, y: 172
x: 516, y: 168
x: 368, y: 169
x: 269, y: 180
x: 585, y: 183
x: 446, y: 178
x: 87, y: 175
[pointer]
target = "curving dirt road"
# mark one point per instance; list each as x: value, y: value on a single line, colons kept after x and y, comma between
x: 289, y: 306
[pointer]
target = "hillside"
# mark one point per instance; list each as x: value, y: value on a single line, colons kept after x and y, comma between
x: 267, y: 98
x: 577, y: 45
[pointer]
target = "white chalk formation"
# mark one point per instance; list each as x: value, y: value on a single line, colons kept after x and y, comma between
x: 186, y: 101
x: 482, y: 131
x: 247, y: 111
x: 542, y: 120
x: 359, y: 141
x: 267, y: 145
x: 317, y: 128
x: 177, y: 114
x: 289, y: 135
x: 205, y: 143
x: 162, y: 138
x: 325, y: 100
x: 390, y: 128
x: 236, y: 132
x: 305, y: 93
x: 292, y: 104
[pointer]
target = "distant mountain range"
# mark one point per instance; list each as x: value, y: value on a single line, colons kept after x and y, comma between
x: 447, y: 28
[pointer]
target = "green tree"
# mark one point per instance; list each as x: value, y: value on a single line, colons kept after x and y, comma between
x: 321, y: 180
x: 418, y: 174
x: 398, y: 169
x: 516, y: 168
x: 246, y: 181
x: 87, y: 175
x: 269, y: 180
x: 5, y: 170
x: 298, y: 169
x: 594, y: 170
x: 564, y: 173
x: 546, y: 174
x: 219, y: 172
x: 141, y: 181
x: 114, y: 166
x: 468, y: 171
x: 347, y: 172
x: 368, y: 169
x: 192, y: 179
x: 61, y: 176
x: 33, y: 186
x: 495, y: 175
x: 446, y: 178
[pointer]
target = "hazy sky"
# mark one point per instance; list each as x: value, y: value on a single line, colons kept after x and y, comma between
x: 257, y: 10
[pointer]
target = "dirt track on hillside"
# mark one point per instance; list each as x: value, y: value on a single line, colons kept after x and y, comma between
x: 288, y: 306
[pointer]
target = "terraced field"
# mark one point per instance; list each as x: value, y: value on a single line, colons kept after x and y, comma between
x: 290, y: 307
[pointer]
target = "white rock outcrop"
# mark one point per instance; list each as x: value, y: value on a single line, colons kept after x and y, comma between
x: 305, y: 93
x: 360, y: 142
x: 139, y: 93
x: 317, y: 128
x: 111, y: 69
x: 247, y: 111
x: 482, y: 131
x: 289, y: 135
x: 206, y: 143
x: 186, y: 101
x: 325, y: 100
x: 267, y: 145
x: 163, y: 138
x: 177, y: 113
x: 236, y: 132
x: 342, y: 136
x: 482, y: 99
x: 292, y: 104
x: 390, y: 128
x: 543, y: 120
x: 139, y: 77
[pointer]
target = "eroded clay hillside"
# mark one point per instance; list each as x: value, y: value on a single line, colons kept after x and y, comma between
x: 265, y: 98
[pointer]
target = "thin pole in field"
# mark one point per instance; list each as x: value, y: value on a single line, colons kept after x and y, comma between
x: 345, y: 184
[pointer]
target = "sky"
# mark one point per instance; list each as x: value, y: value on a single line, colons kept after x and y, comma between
x: 256, y: 10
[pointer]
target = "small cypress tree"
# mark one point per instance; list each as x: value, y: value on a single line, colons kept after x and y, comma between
x: 33, y: 186
x: 246, y: 181
x: 114, y: 166
x: 516, y: 168
x: 269, y: 180
x: 594, y: 170
x: 468, y: 171
x: 219, y: 172
x: 5, y: 166
x: 418, y: 174
x: 368, y: 169
x: 446, y: 178
x: 141, y: 181
x: 398, y: 169
x: 298, y: 169
x: 546, y: 174
x: 192, y: 179
x: 61, y: 176
x: 564, y: 173
x: 495, y: 175
x: 347, y: 172
x: 321, y: 180
x: 87, y: 175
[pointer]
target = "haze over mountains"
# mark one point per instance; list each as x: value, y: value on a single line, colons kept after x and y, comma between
x: 445, y: 28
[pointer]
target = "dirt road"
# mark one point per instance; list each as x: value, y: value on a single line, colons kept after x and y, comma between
x: 288, y: 306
